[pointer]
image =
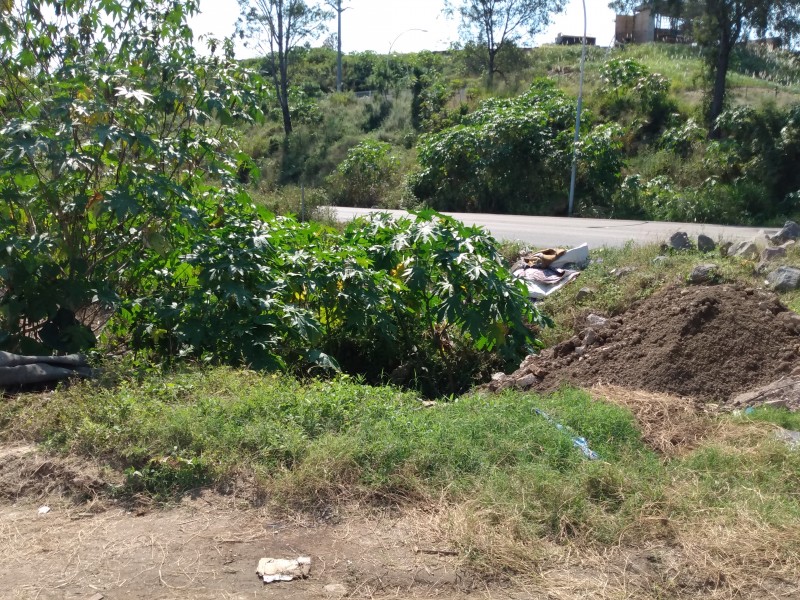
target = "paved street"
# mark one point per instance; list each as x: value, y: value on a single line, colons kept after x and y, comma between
x: 564, y: 231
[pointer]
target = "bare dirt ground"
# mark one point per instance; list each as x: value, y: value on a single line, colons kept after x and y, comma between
x: 204, y: 547
x: 208, y: 547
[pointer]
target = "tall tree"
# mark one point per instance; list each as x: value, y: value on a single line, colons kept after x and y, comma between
x: 495, y: 24
x: 718, y: 25
x: 276, y: 27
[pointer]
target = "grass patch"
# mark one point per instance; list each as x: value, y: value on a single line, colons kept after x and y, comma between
x: 510, y: 487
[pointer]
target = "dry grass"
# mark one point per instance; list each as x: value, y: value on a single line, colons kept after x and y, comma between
x: 670, y: 425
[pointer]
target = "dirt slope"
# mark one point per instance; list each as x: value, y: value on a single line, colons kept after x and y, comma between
x: 707, y: 342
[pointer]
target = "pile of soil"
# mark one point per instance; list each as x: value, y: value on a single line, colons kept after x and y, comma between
x: 707, y: 342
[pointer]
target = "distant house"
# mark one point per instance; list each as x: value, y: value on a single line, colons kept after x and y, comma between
x: 574, y: 40
x: 770, y: 43
x: 645, y: 26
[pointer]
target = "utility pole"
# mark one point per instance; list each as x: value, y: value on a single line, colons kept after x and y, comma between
x: 577, y: 120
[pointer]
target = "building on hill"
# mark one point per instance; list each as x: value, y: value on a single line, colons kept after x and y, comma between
x: 574, y: 40
x: 645, y: 26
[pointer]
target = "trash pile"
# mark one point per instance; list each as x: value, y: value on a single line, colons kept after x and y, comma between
x: 547, y: 271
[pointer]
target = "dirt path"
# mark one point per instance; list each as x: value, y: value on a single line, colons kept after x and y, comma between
x: 208, y: 548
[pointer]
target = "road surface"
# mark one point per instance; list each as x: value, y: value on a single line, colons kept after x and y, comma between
x: 564, y: 231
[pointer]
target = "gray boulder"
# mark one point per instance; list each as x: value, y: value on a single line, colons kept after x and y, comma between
x: 703, y: 273
x: 784, y: 279
x: 770, y: 254
x: 679, y: 241
x: 790, y: 231
x: 705, y: 243
x: 747, y: 250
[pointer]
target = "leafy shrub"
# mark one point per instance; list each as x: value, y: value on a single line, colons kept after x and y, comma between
x: 514, y: 156
x: 365, y: 176
x: 384, y: 293
x: 114, y: 147
x: 630, y: 91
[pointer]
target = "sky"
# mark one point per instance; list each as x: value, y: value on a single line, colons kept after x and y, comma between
x: 408, y: 25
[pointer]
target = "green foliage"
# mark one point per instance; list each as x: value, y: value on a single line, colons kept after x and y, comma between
x: 513, y: 156
x: 365, y: 176
x: 276, y: 294
x: 628, y: 86
x: 115, y: 143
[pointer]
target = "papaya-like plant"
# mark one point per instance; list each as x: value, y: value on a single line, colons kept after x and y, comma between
x: 115, y: 145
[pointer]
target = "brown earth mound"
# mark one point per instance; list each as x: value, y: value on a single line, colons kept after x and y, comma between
x: 707, y: 342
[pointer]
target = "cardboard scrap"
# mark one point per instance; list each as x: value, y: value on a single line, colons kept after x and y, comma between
x: 283, y: 569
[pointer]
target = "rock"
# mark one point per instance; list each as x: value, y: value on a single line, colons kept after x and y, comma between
x: 783, y: 392
x: 703, y: 273
x: 761, y: 240
x: 335, y: 589
x: 790, y: 231
x: 596, y: 320
x: 784, y: 279
x: 660, y: 259
x: 589, y: 337
x: 585, y: 293
x: 770, y: 254
x: 679, y: 241
x: 705, y: 243
x: 746, y: 250
x: 526, y: 382
x: 580, y: 350
x: 623, y: 271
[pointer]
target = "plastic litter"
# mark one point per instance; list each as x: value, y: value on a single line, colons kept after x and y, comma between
x: 283, y: 569
x: 577, y: 441
x: 43, y: 510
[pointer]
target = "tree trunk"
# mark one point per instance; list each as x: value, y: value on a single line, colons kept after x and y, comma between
x: 490, y: 78
x: 283, y: 93
x: 720, y: 74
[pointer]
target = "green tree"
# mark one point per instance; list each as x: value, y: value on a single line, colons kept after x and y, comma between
x: 718, y: 25
x: 115, y: 145
x: 277, y: 27
x: 495, y: 24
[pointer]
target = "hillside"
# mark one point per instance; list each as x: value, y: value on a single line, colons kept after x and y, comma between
x: 657, y: 164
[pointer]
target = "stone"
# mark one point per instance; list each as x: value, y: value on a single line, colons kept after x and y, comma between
x: 596, y: 320
x: 783, y: 392
x: 526, y: 382
x: 622, y: 272
x: 747, y: 250
x: 703, y: 273
x: 705, y: 243
x: 660, y: 259
x: 761, y: 240
x: 335, y: 589
x: 770, y: 254
x: 679, y: 241
x: 790, y: 231
x: 585, y: 293
x: 784, y: 279
x: 589, y: 337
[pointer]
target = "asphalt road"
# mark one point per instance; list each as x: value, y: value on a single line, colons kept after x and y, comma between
x: 564, y: 231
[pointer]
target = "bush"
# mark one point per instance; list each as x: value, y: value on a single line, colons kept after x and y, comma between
x: 365, y: 176
x: 276, y: 294
x: 514, y: 156
x: 114, y: 148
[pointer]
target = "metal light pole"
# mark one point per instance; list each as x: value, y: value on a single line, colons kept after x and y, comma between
x: 339, y: 47
x: 577, y: 119
x: 397, y: 38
